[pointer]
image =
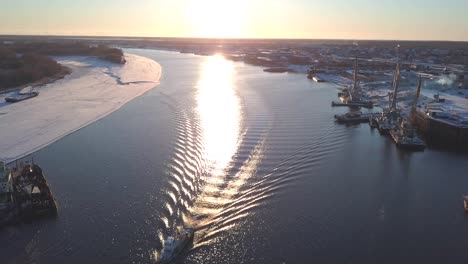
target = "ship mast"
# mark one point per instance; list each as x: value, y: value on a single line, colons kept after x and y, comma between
x: 396, y: 80
x: 418, y: 92
x: 355, y: 74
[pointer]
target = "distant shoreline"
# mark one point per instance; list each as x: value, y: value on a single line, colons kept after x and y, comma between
x: 92, y: 37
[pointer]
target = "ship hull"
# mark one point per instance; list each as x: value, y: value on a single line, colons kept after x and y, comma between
x: 440, y: 132
x: 406, y: 145
x: 20, y: 97
x: 26, y: 208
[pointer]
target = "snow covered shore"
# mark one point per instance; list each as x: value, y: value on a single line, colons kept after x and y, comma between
x: 93, y: 90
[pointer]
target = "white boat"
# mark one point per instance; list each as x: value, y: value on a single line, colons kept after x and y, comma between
x: 317, y: 79
x: 173, y: 246
x: 24, y: 94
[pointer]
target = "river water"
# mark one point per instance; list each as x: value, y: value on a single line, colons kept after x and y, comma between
x: 255, y: 162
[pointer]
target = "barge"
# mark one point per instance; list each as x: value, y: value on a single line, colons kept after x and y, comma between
x: 24, y: 194
x: 439, y: 127
x: 365, y: 104
x: 355, y: 117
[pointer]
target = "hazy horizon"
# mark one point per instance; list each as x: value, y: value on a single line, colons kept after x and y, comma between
x: 260, y: 19
x: 225, y: 38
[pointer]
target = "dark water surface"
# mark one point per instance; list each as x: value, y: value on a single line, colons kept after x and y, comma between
x: 256, y: 163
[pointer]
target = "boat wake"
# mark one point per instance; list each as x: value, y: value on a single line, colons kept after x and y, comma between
x: 233, y: 154
x: 213, y: 201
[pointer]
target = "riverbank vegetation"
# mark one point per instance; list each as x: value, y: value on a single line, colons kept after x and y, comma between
x: 29, y: 68
x: 68, y: 49
x: 28, y: 63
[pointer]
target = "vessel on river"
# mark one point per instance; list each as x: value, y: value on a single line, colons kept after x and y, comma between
x: 355, y: 117
x: 439, y: 126
x: 24, y: 194
x: 24, y: 94
x: 173, y: 246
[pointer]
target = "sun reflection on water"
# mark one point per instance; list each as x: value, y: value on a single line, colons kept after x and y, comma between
x: 219, y: 111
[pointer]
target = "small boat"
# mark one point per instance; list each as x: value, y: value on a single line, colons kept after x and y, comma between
x: 465, y: 202
x: 173, y: 246
x: 24, y: 94
x: 317, y: 79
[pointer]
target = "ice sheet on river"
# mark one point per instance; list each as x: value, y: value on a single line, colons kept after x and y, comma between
x: 93, y: 90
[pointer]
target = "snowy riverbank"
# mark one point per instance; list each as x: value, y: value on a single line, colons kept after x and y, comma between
x: 93, y: 90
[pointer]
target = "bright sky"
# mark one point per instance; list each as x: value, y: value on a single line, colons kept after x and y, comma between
x: 343, y: 19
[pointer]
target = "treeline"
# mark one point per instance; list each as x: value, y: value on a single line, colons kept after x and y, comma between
x: 28, y: 62
x: 65, y: 49
x: 17, y: 70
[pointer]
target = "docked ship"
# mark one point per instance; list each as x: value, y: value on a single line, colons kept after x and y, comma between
x: 405, y: 136
x: 352, y: 96
x: 173, y: 246
x: 26, y: 93
x: 384, y: 121
x: 389, y: 116
x: 24, y: 194
x: 402, y: 132
x: 439, y: 126
x: 355, y: 117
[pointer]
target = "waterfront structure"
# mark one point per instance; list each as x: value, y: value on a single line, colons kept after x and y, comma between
x: 352, y: 95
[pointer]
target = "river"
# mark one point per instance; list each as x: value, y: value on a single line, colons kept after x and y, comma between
x: 255, y: 162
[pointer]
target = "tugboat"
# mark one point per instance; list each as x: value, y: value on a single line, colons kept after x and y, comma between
x: 352, y: 96
x: 26, y: 93
x: 24, y: 194
x: 404, y: 136
x: 173, y: 246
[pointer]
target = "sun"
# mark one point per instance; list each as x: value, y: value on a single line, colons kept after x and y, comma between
x: 217, y: 18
